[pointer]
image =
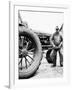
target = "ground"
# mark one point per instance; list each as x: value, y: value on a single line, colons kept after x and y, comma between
x: 46, y: 71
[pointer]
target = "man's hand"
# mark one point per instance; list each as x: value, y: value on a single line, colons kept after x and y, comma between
x: 60, y: 45
x: 56, y: 47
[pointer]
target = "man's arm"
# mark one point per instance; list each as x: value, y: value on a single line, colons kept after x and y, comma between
x: 51, y: 40
x: 61, y: 41
x: 60, y: 44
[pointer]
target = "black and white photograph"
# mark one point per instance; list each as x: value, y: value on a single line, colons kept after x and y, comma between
x: 40, y: 44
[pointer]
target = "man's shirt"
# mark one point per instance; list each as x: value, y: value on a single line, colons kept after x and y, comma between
x: 57, y: 38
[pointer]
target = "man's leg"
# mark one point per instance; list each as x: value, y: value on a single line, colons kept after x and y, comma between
x: 61, y: 58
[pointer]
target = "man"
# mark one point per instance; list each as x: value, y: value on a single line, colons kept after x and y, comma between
x: 56, y: 41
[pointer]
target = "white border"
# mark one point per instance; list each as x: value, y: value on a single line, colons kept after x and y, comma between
x: 14, y: 82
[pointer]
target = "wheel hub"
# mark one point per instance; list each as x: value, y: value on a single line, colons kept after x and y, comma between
x: 24, y: 52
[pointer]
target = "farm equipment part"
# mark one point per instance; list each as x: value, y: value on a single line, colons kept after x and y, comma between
x: 31, y: 48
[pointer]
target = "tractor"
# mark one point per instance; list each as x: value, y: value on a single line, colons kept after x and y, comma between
x: 31, y: 48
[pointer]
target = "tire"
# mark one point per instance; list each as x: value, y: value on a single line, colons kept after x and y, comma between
x: 37, y: 55
x: 48, y: 58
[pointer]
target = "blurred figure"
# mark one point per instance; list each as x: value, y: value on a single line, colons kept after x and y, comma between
x: 56, y: 41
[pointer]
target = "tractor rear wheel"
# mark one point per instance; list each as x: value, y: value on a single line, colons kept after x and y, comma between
x: 30, y: 54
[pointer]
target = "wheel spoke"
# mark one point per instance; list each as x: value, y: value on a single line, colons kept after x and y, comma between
x: 27, y: 61
x: 22, y: 40
x: 30, y: 57
x: 31, y: 53
x: 31, y: 49
x: 27, y: 45
x: 20, y: 62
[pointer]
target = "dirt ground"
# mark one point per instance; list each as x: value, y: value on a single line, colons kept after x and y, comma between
x: 46, y: 71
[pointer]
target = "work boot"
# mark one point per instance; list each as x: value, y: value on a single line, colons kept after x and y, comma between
x: 61, y: 65
x: 53, y: 66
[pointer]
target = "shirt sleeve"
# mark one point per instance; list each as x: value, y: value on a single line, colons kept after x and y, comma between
x: 61, y: 38
x: 51, y: 39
